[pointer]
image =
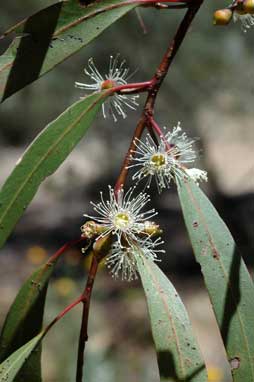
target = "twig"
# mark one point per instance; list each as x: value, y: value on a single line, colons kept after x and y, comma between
x: 50, y: 262
x: 83, y: 337
x: 100, y: 250
x: 64, y: 248
x: 62, y: 314
x: 157, y: 128
x: 158, y: 79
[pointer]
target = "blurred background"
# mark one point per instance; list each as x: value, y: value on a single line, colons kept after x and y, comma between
x: 210, y: 89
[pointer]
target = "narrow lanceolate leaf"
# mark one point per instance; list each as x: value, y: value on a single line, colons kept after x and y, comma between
x: 24, y: 321
x: 11, y: 366
x: 178, y: 354
x: 52, y: 35
x: 42, y: 159
x: 227, y: 279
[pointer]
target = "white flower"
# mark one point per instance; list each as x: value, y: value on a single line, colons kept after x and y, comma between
x: 152, y: 161
x: 196, y: 174
x: 122, y: 216
x: 246, y: 19
x: 117, y: 75
x: 123, y: 259
x: 167, y: 160
x: 181, y: 147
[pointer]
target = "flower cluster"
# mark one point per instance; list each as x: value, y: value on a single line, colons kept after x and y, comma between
x: 122, y: 216
x: 118, y: 74
x: 246, y: 19
x: 167, y: 160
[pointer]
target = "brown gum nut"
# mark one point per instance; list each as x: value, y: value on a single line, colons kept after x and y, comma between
x: 222, y: 16
x: 248, y: 6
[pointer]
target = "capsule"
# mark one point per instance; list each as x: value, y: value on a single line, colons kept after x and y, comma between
x: 248, y: 6
x: 222, y: 16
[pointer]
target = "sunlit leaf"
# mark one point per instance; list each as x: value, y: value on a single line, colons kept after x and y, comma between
x: 227, y: 279
x: 43, y: 157
x: 11, y: 366
x: 24, y: 321
x: 178, y: 354
x: 51, y: 36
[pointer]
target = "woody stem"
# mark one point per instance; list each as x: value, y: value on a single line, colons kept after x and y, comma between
x: 85, y: 299
x: 157, y: 81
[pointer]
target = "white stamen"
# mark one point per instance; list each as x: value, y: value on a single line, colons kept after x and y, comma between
x: 116, y: 104
x: 123, y: 216
x: 165, y: 164
x: 246, y: 19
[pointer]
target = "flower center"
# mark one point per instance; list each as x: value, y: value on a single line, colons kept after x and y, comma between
x: 107, y: 84
x: 122, y: 220
x: 158, y: 160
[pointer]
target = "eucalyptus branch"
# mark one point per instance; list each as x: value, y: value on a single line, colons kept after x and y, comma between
x: 157, y: 81
x: 85, y: 297
x: 64, y: 248
x: 101, y: 248
x: 122, y: 230
x: 49, y: 263
x: 158, y: 130
x: 135, y: 87
x: 83, y: 337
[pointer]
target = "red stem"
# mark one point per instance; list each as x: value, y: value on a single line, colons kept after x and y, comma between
x: 138, y: 85
x: 83, y: 337
x: 64, y: 248
x: 51, y: 261
x: 63, y: 313
x: 157, y: 79
x: 158, y: 130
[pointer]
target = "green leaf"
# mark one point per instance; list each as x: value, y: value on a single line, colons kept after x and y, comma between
x: 42, y: 159
x: 51, y: 36
x: 178, y: 354
x: 24, y: 321
x: 11, y: 366
x: 227, y: 279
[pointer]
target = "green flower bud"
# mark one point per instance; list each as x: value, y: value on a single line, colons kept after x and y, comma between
x: 222, y: 16
x: 248, y: 6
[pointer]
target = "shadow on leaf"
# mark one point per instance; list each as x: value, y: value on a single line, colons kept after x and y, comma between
x: 168, y: 370
x: 33, y: 47
x: 233, y: 296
